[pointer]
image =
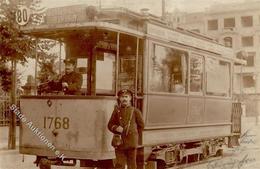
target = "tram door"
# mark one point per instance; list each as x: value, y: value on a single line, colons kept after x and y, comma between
x: 130, y: 67
x: 115, y: 71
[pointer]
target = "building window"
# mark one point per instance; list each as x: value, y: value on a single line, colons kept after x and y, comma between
x: 248, y: 81
x: 247, y: 41
x: 247, y: 21
x: 241, y: 54
x: 250, y: 58
x: 213, y: 24
x: 229, y: 23
x: 228, y: 42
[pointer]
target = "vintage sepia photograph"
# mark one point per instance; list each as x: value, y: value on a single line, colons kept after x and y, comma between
x: 129, y: 84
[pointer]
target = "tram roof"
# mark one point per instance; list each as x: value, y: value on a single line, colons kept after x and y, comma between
x: 78, y: 17
x: 59, y: 22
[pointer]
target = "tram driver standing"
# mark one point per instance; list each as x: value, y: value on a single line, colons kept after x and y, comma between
x: 126, y: 121
x: 70, y: 83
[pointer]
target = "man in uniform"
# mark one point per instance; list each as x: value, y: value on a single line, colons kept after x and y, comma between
x: 127, y: 121
x: 71, y: 82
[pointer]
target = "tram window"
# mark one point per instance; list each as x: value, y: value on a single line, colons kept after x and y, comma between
x: 168, y: 70
x: 82, y: 69
x: 105, y: 73
x: 196, y: 74
x: 127, y: 63
x: 218, y: 80
x: 127, y: 73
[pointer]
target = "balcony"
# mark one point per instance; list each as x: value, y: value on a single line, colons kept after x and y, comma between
x: 245, y: 69
x: 249, y: 90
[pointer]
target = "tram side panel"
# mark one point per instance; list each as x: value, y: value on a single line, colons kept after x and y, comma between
x: 178, y: 119
x: 78, y: 128
x: 218, y: 110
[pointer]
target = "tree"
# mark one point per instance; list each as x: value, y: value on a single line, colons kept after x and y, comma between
x: 47, y: 71
x: 14, y: 44
x: 15, y: 47
x: 6, y: 78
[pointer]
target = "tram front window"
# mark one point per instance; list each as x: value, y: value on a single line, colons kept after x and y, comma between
x: 105, y: 73
x: 109, y: 66
x: 108, y: 61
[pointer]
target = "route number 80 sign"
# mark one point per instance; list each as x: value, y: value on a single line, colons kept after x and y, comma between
x: 22, y: 15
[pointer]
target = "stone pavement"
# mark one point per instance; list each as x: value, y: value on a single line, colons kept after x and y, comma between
x: 11, y: 159
x: 246, y: 156
x: 4, y: 137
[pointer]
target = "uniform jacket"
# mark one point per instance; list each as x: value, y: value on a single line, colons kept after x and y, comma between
x: 74, y: 81
x: 120, y: 117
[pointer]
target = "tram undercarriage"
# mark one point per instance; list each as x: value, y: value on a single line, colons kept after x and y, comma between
x: 160, y: 157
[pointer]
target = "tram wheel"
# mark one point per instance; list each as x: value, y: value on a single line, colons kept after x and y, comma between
x: 161, y: 164
x: 44, y: 163
x: 219, y: 153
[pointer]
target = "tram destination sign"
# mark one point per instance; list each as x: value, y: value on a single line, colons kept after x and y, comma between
x: 22, y: 15
x: 56, y: 16
x: 174, y: 36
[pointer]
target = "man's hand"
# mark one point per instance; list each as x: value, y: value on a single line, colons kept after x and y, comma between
x: 65, y: 84
x: 119, y: 129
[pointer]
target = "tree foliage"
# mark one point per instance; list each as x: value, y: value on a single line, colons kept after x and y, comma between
x: 5, y: 79
x: 18, y: 46
x: 15, y: 45
x: 47, y: 71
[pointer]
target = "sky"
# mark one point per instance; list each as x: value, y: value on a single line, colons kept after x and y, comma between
x: 154, y: 5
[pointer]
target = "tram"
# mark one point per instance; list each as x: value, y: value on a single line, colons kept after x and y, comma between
x: 182, y: 82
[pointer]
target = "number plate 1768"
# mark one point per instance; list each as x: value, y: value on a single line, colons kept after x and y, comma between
x: 56, y: 122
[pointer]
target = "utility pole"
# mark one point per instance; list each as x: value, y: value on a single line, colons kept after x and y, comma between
x: 99, y: 4
x: 12, y: 120
x: 163, y: 9
x: 36, y: 70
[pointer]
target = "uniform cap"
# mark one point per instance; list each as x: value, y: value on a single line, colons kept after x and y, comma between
x: 71, y: 61
x: 124, y: 91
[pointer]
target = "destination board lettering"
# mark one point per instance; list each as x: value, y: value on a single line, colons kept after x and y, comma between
x: 106, y: 45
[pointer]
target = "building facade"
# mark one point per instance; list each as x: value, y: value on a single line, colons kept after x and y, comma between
x: 235, y: 25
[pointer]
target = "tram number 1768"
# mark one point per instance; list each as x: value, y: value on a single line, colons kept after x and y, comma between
x: 56, y: 122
